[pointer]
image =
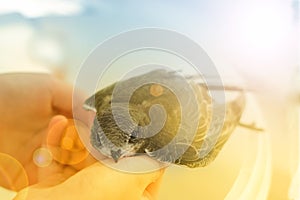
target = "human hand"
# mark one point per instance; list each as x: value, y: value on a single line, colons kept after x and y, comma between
x: 28, y: 103
x: 101, y: 182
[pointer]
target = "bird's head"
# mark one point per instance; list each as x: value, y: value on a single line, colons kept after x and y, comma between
x: 114, y: 135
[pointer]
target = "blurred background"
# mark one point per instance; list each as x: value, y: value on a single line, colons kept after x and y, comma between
x: 254, y: 41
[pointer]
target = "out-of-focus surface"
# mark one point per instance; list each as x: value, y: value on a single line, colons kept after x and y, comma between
x: 257, y: 40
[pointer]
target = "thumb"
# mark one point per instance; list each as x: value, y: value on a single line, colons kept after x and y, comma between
x: 101, y: 182
x: 122, y: 179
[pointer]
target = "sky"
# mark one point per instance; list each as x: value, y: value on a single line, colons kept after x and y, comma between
x: 256, y: 38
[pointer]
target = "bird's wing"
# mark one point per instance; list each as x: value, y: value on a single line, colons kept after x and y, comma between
x: 193, y: 158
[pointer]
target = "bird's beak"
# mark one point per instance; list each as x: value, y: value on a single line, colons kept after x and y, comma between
x: 115, y: 154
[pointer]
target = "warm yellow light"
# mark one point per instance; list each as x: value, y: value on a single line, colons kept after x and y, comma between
x: 294, y: 190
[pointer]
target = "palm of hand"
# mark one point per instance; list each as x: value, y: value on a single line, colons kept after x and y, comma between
x: 28, y: 102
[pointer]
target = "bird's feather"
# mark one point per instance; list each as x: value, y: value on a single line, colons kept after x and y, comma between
x: 189, y: 149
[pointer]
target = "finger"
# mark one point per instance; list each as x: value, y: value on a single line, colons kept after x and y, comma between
x: 56, y: 128
x: 63, y: 141
x: 56, y: 119
x: 56, y: 143
x: 100, y: 182
x: 141, y: 168
x: 107, y: 183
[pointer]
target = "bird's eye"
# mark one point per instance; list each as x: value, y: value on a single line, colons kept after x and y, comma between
x: 133, y: 135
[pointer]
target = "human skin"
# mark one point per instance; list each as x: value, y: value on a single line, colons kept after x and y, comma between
x: 29, y: 103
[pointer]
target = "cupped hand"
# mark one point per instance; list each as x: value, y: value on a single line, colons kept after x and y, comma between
x: 28, y: 102
x: 101, y: 182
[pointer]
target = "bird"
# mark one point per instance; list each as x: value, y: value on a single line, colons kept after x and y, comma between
x: 122, y: 124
